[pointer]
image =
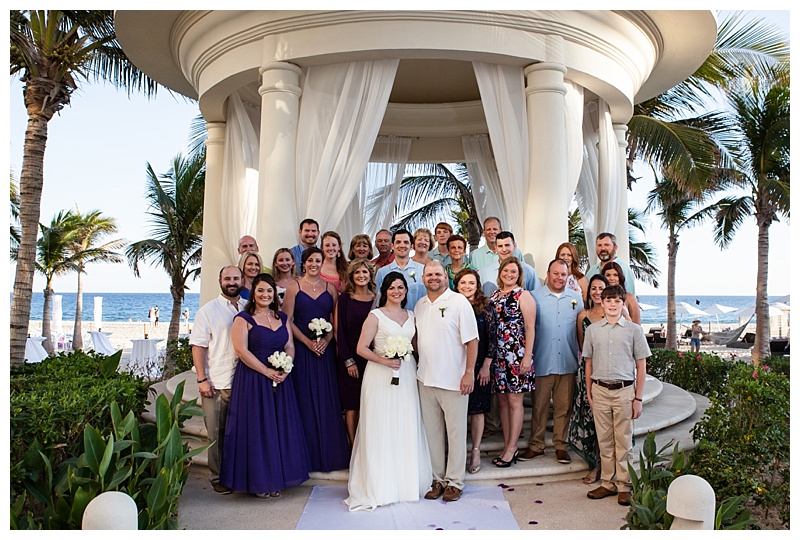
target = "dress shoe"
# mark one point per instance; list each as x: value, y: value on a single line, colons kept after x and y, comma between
x: 437, y: 488
x: 600, y: 493
x: 451, y: 494
x: 624, y: 498
x: 503, y: 464
x: 529, y: 454
x: 222, y: 490
x: 562, y: 456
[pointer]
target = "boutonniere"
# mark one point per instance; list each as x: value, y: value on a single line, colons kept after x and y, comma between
x: 441, y: 310
x: 413, y: 275
x: 574, y: 303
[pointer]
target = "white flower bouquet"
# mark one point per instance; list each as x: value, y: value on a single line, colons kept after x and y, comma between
x: 319, y: 328
x: 398, y: 347
x: 281, y: 362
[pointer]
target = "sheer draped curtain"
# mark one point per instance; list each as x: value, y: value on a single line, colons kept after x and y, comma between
x: 502, y: 90
x: 341, y: 110
x: 239, y: 173
x: 372, y: 207
x: 486, y: 187
x: 573, y: 113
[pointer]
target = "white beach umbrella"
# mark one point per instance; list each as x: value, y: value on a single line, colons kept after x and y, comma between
x: 781, y: 306
x: 98, y: 312
x: 717, y: 309
x: 684, y: 308
x: 784, y: 299
x: 57, y: 315
x: 749, y: 310
x: 646, y: 307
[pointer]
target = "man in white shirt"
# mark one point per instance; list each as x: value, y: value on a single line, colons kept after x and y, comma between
x: 403, y: 263
x: 214, y: 361
x: 606, y: 249
x: 308, y: 233
x: 447, y: 340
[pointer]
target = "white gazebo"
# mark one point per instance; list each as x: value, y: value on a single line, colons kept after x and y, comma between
x: 313, y: 113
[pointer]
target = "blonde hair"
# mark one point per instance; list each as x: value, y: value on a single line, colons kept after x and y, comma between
x: 423, y: 231
x: 510, y: 260
x: 246, y: 255
x: 354, y: 265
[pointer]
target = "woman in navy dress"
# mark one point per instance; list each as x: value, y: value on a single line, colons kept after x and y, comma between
x: 314, y: 373
x: 352, y: 310
x: 265, y: 450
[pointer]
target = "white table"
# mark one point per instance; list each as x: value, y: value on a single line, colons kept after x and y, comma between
x: 34, y: 352
x: 101, y: 344
x: 144, y: 358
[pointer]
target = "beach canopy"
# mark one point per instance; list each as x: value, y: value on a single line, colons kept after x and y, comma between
x: 781, y: 306
x: 749, y: 310
x: 646, y: 307
x: 684, y: 308
x: 784, y: 299
x: 717, y: 309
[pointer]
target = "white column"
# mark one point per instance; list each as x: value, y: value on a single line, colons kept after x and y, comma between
x: 215, y: 252
x: 621, y: 229
x: 547, y: 200
x: 280, y: 108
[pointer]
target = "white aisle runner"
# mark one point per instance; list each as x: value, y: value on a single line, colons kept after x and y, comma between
x: 480, y: 508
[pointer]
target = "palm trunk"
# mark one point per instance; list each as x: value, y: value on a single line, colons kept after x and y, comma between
x: 672, y: 256
x: 174, y: 327
x: 77, y: 332
x: 46, y: 309
x: 30, y: 197
x: 761, y: 347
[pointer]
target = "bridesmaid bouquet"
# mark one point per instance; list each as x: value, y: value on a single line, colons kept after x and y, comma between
x: 398, y: 347
x: 319, y: 328
x: 281, y: 362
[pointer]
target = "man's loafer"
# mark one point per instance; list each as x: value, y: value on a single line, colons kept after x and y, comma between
x: 221, y: 489
x: 600, y: 493
x: 562, y: 456
x: 437, y: 488
x: 451, y: 494
x: 624, y: 498
x: 529, y: 454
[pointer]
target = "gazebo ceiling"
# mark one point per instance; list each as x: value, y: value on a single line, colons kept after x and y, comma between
x: 434, y: 81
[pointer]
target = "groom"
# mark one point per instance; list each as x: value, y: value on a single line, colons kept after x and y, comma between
x: 447, y: 339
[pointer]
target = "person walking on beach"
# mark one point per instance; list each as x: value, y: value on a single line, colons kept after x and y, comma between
x: 615, y: 352
x: 697, y: 333
x: 155, y: 312
x: 214, y: 360
x: 447, y: 335
x: 151, y: 315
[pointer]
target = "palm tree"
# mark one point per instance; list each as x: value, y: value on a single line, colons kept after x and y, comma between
x: 89, y: 230
x: 52, y: 51
x: 14, y: 200
x: 176, y: 213
x: 679, y: 210
x: 436, y: 194
x: 760, y: 118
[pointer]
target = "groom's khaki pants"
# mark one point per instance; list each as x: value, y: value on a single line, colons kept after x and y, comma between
x: 444, y: 415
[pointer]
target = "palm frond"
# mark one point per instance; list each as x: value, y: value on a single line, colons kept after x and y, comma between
x: 732, y: 211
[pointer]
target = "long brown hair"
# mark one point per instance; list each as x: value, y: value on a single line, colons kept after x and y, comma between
x: 574, y: 268
x: 354, y: 265
x: 620, y: 273
x: 479, y: 301
x: 292, y: 272
x: 341, y: 262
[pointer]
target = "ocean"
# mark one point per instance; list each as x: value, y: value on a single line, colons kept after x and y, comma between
x: 120, y: 307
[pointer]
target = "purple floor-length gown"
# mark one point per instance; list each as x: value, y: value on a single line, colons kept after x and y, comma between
x: 265, y: 449
x: 315, y: 384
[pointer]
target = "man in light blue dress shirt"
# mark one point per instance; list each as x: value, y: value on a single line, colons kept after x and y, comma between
x: 507, y: 247
x: 486, y: 257
x: 309, y: 233
x: 606, y: 249
x: 411, y: 270
x: 555, y: 360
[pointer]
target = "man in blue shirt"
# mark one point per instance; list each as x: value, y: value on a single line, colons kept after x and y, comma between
x: 411, y: 270
x: 606, y: 249
x: 308, y: 232
x: 555, y: 360
x: 507, y: 247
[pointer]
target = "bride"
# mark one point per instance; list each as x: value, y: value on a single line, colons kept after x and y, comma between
x: 390, y: 461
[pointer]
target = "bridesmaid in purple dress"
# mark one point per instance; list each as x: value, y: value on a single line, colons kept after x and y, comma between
x: 265, y: 449
x: 314, y: 374
x: 352, y: 310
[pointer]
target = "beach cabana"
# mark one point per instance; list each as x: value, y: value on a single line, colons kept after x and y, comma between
x: 309, y: 113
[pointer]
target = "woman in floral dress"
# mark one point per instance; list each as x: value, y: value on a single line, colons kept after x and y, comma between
x: 511, y: 334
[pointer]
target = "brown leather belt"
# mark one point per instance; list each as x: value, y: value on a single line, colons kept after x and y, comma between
x: 614, y: 386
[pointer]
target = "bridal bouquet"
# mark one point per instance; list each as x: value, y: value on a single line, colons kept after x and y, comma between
x: 398, y: 347
x: 281, y: 362
x: 319, y: 327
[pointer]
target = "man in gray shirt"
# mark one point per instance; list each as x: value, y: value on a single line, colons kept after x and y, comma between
x: 616, y: 354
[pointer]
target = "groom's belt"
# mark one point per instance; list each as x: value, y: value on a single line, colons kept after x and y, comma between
x: 613, y: 385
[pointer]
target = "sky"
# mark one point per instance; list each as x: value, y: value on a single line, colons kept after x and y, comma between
x: 99, y: 145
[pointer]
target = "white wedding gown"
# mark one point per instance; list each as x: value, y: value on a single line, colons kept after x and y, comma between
x: 390, y: 460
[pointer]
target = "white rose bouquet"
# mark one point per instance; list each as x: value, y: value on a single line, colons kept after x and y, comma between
x: 281, y: 362
x: 398, y: 347
x: 319, y: 328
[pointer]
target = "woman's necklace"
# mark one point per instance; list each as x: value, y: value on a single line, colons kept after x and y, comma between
x: 265, y: 313
x: 313, y: 285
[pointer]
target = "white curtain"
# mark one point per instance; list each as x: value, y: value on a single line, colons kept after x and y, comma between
x: 239, y: 174
x: 573, y: 113
x: 586, y: 193
x: 341, y: 110
x: 372, y: 207
x: 502, y: 91
x: 485, y: 181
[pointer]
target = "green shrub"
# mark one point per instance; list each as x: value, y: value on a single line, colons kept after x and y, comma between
x: 778, y: 364
x: 149, y: 462
x: 52, y: 402
x: 701, y: 373
x: 743, y: 440
x: 181, y: 353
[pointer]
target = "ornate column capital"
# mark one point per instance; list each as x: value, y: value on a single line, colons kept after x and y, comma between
x: 216, y: 133
x: 545, y: 77
x: 280, y: 77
